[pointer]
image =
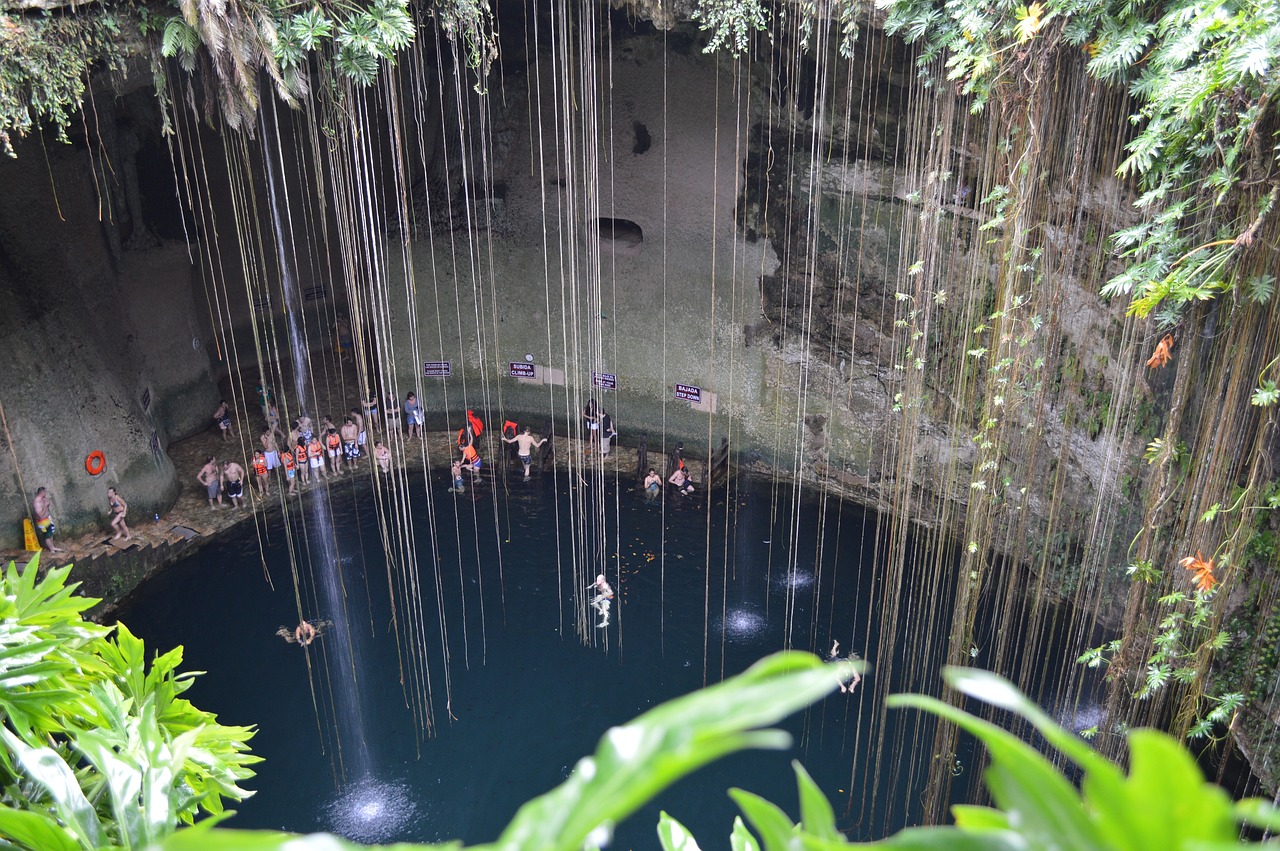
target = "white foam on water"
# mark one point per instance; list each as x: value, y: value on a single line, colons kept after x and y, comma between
x: 371, y: 811
x: 744, y: 624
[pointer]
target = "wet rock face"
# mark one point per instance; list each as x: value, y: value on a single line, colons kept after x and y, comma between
x: 97, y: 337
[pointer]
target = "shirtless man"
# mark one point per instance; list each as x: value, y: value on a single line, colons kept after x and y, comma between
x: 681, y: 480
x: 603, y: 599
x: 222, y: 417
x: 304, y: 427
x: 382, y: 455
x: 358, y: 419
x: 233, y: 475
x: 456, y: 471
x: 525, y: 444
x: 273, y: 420
x: 44, y: 521
x: 652, y: 485
x: 270, y: 451
x: 118, y: 508
x: 350, y: 446
x: 211, y: 477
x: 304, y: 633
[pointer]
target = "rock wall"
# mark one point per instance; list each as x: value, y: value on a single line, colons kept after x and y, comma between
x: 102, y: 343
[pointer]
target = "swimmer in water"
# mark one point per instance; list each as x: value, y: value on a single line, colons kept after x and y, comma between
x: 834, y: 656
x: 602, y: 600
x: 304, y: 633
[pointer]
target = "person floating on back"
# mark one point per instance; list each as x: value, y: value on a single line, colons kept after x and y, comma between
x: 525, y: 444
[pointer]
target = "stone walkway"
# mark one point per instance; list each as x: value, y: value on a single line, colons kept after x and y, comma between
x: 110, y: 568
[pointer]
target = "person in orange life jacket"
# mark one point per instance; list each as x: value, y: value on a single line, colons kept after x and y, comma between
x: 260, y: 472
x: 471, y: 459
x: 315, y: 457
x: 300, y: 457
x: 333, y: 449
x: 290, y: 471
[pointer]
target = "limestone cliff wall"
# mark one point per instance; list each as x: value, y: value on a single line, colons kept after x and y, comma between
x: 102, y: 346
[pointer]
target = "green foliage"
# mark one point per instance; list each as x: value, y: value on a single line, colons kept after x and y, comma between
x: 45, y: 62
x: 99, y: 748
x: 731, y: 23
x: 1203, y: 73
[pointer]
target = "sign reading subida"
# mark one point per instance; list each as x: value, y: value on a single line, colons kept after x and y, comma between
x: 520, y: 369
x: 689, y: 393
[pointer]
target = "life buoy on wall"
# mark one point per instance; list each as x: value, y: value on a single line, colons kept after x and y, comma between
x: 95, y: 463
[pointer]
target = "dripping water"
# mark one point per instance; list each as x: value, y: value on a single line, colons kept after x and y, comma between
x: 320, y: 550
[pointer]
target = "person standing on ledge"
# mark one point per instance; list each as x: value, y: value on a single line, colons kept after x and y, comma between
x: 222, y: 417
x: 607, y: 433
x: 44, y: 520
x: 525, y: 444
x: 591, y: 419
x: 413, y: 416
x: 261, y: 472
x: 350, y: 435
x: 118, y: 508
x: 233, y: 475
x: 211, y: 477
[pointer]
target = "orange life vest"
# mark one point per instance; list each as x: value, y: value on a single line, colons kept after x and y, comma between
x: 469, y: 454
x: 462, y: 437
x: 259, y: 463
x: 315, y: 449
x: 301, y: 454
x: 508, y: 425
x: 334, y: 440
x: 477, y: 424
x: 288, y: 460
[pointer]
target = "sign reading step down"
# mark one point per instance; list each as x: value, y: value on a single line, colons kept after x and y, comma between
x: 689, y: 393
x: 437, y: 369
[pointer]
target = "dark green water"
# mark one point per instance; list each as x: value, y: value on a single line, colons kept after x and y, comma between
x: 530, y: 700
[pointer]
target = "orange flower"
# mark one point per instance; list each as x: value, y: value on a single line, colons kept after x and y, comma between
x: 1201, y: 571
x: 1164, y: 351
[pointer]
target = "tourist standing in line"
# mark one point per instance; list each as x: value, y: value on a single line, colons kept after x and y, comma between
x: 118, y: 508
x: 300, y: 458
x: 525, y: 444
x: 393, y: 415
x: 273, y: 420
x: 290, y: 471
x: 333, y: 449
x: 350, y: 448
x: 270, y: 452
x: 222, y: 416
x: 591, y: 419
x: 261, y: 472
x: 413, y: 416
x: 211, y: 477
x: 607, y: 433
x: 40, y: 506
x: 370, y: 409
x: 358, y: 418
x: 315, y: 456
x: 233, y: 475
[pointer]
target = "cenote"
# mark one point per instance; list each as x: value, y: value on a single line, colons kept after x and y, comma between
x: 705, y: 587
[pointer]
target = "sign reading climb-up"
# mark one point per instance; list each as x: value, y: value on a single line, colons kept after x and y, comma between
x: 520, y: 369
x: 604, y: 380
x: 689, y: 393
x: 437, y: 369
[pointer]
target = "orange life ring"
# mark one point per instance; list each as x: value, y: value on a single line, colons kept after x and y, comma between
x: 95, y: 463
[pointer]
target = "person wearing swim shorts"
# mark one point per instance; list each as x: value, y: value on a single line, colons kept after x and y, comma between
x: 315, y: 456
x: 222, y: 417
x: 681, y: 480
x: 413, y: 416
x: 458, y: 485
x: 233, y: 476
x: 471, y: 460
x: 290, y: 472
x: 350, y: 446
x: 382, y: 455
x: 260, y: 473
x: 525, y: 444
x: 358, y: 419
x: 211, y: 477
x: 44, y: 519
x: 270, y: 453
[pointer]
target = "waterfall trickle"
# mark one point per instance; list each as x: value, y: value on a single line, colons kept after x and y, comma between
x: 320, y: 547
